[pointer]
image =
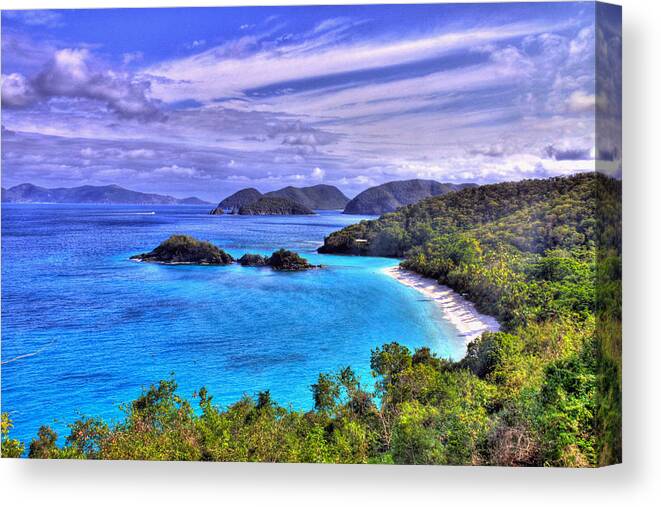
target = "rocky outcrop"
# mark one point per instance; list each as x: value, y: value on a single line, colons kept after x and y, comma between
x: 275, y: 206
x: 286, y: 260
x: 253, y: 260
x: 280, y: 260
x: 181, y: 249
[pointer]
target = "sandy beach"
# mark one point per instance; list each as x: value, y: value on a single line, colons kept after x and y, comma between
x: 461, y: 313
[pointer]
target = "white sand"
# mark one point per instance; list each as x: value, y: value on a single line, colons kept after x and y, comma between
x: 461, y: 313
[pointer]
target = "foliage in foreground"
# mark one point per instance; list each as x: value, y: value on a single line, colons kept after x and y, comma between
x: 509, y: 402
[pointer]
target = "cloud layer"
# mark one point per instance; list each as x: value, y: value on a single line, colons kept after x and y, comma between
x: 461, y: 93
x: 71, y: 73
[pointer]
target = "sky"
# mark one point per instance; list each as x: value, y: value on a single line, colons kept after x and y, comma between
x: 206, y: 101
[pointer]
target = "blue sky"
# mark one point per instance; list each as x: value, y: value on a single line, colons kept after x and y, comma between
x: 206, y: 101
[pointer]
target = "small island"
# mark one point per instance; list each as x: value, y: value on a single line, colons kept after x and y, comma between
x: 183, y: 249
x: 281, y: 260
x: 286, y: 260
x: 275, y: 206
x: 317, y: 197
x: 253, y: 260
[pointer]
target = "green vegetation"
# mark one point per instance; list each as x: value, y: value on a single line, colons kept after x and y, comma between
x: 306, y: 198
x: 286, y: 260
x: 543, y: 256
x: 236, y: 200
x: 314, y: 197
x: 395, y: 194
x: 423, y: 410
x: 274, y: 206
x: 182, y: 249
x: 10, y: 448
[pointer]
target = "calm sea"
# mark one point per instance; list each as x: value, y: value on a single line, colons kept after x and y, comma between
x: 84, y: 328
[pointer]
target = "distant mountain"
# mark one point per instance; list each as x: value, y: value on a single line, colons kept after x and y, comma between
x: 275, y: 206
x: 88, y: 194
x: 322, y: 197
x: 316, y: 197
x: 395, y: 194
x: 236, y: 200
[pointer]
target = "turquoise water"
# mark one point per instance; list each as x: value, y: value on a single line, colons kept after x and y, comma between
x: 94, y: 327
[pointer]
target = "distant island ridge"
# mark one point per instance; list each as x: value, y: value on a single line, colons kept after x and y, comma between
x: 299, y: 199
x: 27, y: 193
x: 372, y: 201
x: 275, y: 206
x: 395, y: 194
x: 384, y: 198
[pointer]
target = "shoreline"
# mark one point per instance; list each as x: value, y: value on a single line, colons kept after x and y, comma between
x: 459, y: 312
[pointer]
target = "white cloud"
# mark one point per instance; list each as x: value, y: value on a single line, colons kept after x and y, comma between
x: 583, y: 44
x: 175, y: 170
x: 219, y: 72
x: 117, y: 153
x: 17, y: 91
x: 579, y: 101
x: 318, y: 173
x: 73, y: 73
x: 493, y: 150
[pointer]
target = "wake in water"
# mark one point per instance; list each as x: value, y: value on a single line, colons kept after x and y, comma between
x: 134, y: 213
x: 30, y: 354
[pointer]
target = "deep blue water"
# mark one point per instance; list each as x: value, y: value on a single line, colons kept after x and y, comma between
x: 95, y: 327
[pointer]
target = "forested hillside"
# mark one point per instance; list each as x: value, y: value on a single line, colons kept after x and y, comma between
x: 544, y: 256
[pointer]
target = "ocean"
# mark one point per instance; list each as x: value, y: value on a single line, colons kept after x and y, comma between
x: 85, y: 329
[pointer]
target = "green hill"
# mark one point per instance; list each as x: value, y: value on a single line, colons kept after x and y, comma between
x: 236, y: 200
x: 274, y: 206
x: 395, y: 194
x: 323, y: 197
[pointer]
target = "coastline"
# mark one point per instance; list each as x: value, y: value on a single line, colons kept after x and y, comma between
x: 459, y: 312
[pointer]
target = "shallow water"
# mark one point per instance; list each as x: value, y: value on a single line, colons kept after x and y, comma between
x: 95, y: 327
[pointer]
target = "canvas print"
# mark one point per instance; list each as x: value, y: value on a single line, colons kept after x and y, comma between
x: 379, y: 234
